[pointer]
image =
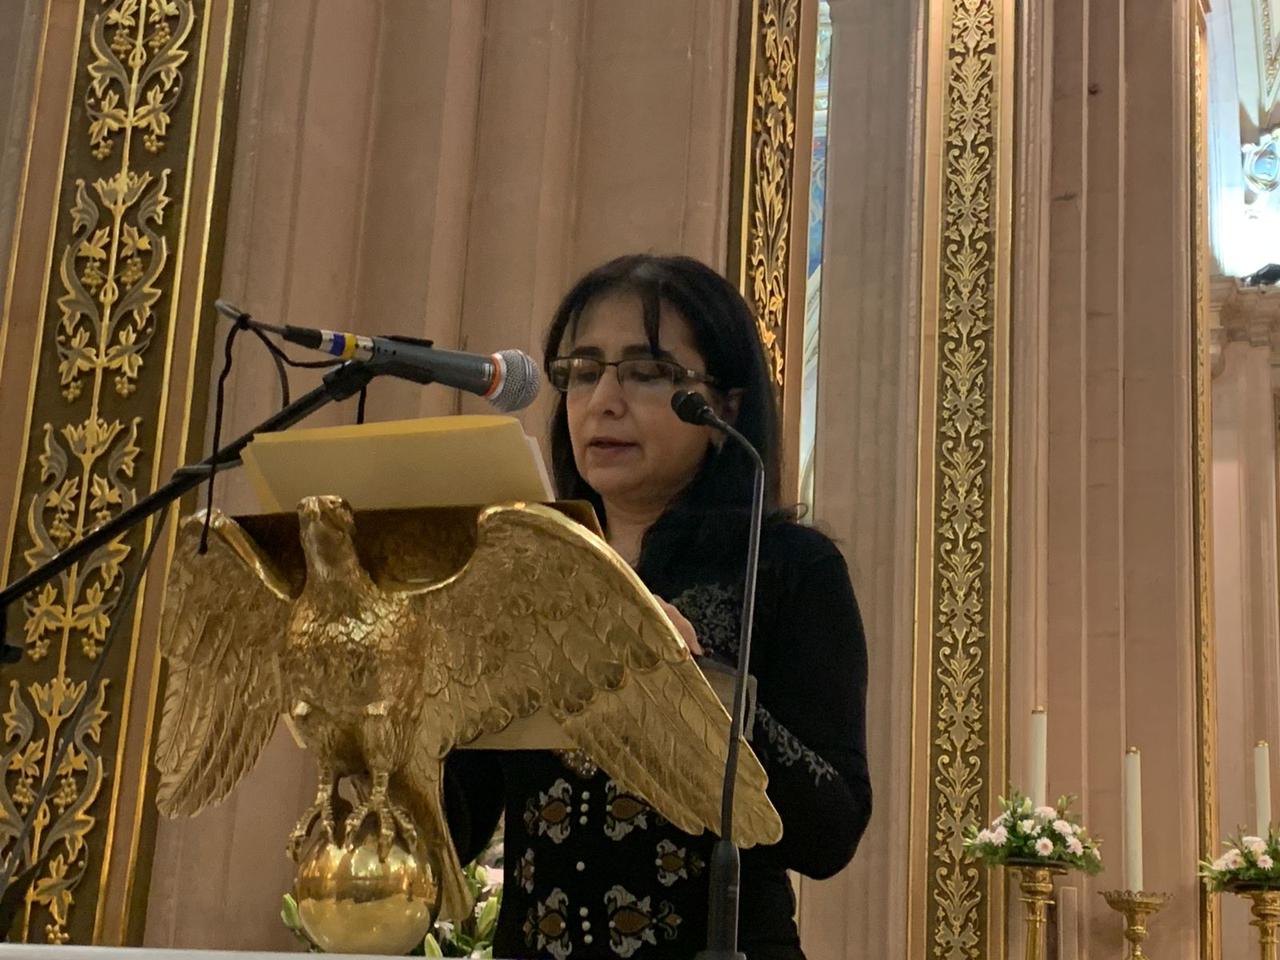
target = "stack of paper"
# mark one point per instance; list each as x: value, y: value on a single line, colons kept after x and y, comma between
x: 433, y: 462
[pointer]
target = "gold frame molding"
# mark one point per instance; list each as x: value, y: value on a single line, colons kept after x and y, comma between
x: 128, y: 248
x: 769, y: 177
x: 960, y: 699
x: 1201, y: 428
x: 959, y: 731
x: 1269, y: 50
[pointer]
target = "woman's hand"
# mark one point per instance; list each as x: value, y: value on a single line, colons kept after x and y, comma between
x: 683, y: 627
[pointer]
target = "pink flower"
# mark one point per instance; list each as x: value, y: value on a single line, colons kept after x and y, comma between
x: 1233, y: 859
x: 1044, y: 846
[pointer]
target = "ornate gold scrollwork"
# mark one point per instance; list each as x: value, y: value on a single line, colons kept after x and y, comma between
x: 1270, y: 46
x: 961, y: 633
x: 769, y: 183
x: 1202, y: 425
x: 112, y: 269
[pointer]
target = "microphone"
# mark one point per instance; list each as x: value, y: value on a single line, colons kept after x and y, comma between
x: 726, y: 864
x: 508, y: 379
x: 696, y: 409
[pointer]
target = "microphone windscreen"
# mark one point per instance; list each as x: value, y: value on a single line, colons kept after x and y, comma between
x: 690, y: 407
x: 229, y: 310
x: 520, y: 381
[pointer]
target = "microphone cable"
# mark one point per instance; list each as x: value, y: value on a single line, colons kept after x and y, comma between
x: 283, y: 362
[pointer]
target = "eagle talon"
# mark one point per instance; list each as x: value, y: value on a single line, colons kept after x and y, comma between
x: 390, y: 818
x: 321, y: 810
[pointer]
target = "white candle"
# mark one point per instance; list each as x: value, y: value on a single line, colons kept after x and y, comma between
x: 1039, y: 755
x: 1262, y: 786
x: 1133, y: 820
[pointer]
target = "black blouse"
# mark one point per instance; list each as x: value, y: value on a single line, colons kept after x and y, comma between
x: 591, y: 872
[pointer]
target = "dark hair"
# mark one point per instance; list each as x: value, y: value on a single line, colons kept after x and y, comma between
x: 726, y: 334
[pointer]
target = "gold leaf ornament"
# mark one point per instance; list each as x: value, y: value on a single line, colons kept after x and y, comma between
x: 508, y: 635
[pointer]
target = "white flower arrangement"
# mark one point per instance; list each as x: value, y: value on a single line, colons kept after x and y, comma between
x: 1025, y: 833
x: 1247, y: 861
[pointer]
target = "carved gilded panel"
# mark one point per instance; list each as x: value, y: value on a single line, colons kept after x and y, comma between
x: 761, y: 242
x: 1202, y: 425
x: 108, y: 337
x: 1269, y: 50
x: 960, y: 644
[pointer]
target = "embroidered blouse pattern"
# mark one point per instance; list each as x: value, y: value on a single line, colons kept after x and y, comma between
x: 787, y: 750
x: 715, y: 611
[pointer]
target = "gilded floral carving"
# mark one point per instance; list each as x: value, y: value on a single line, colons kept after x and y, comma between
x: 108, y: 275
x: 961, y: 629
x: 773, y: 147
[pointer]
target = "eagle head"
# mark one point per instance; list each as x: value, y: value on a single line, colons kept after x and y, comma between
x: 328, y: 527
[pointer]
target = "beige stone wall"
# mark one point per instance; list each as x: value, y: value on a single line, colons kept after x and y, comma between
x: 18, y: 49
x: 1246, y: 599
x: 1111, y: 451
x: 864, y: 485
x: 26, y: 192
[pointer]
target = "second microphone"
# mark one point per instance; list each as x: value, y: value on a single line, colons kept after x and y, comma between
x: 508, y: 379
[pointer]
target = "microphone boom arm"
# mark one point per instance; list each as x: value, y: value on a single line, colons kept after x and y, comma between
x: 726, y: 860
x: 339, y: 384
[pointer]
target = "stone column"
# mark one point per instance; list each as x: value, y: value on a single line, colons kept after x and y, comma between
x: 109, y: 220
x: 1246, y: 586
x: 1118, y: 667
x: 864, y: 493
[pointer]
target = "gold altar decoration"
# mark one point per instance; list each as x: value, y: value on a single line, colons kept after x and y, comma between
x: 383, y: 667
x: 1137, y: 907
x: 94, y: 431
x: 353, y: 897
x: 1269, y: 47
x: 1266, y: 916
x: 761, y: 223
x: 1201, y: 430
x: 1035, y: 883
x: 956, y: 908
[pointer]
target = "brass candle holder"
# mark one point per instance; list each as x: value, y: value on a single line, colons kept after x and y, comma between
x: 1266, y: 915
x: 1035, y: 883
x: 1137, y: 906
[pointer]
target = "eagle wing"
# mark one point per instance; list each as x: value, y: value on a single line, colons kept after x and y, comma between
x: 225, y: 622
x: 545, y: 615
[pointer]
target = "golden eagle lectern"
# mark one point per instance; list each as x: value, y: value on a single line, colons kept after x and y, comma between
x: 382, y: 674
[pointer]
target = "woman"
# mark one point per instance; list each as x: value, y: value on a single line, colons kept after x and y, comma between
x: 674, y: 502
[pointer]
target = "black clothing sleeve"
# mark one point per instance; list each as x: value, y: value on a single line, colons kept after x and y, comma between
x: 810, y: 722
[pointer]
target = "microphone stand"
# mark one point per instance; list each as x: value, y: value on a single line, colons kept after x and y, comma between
x: 726, y: 862
x: 340, y: 383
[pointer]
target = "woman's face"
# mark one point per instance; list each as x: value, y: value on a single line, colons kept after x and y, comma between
x: 627, y: 442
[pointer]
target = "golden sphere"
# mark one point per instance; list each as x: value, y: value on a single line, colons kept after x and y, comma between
x: 350, y: 900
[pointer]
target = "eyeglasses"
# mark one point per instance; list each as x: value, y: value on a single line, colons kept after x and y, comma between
x: 641, y: 376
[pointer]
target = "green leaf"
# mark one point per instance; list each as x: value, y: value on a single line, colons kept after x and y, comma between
x: 289, y: 913
x: 431, y: 947
x: 487, y: 920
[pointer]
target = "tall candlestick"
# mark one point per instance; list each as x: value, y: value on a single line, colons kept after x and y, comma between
x: 1039, y: 755
x: 1133, y: 820
x: 1262, y: 786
